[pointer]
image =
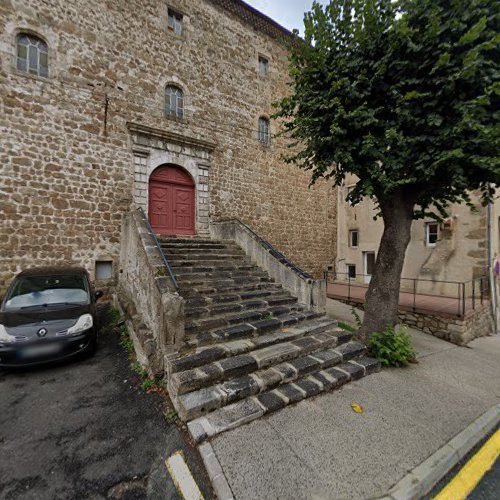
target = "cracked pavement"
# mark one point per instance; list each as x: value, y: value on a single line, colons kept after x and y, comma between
x: 85, y: 429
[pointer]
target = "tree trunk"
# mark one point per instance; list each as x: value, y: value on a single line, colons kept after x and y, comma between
x: 382, y: 297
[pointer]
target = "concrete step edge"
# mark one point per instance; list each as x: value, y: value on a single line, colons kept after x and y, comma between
x: 214, y: 352
x: 228, y: 297
x: 195, y: 404
x: 212, y: 324
x: 249, y: 409
x: 263, y: 321
x: 228, y: 368
x: 205, y: 312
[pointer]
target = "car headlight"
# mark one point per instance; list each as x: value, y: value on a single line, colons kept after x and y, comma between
x: 84, y: 323
x: 5, y: 338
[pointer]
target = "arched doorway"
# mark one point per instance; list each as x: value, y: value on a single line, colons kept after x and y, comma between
x: 171, y: 201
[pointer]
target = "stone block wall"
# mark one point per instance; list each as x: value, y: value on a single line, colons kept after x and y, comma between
x: 148, y: 296
x: 477, y: 323
x: 68, y: 169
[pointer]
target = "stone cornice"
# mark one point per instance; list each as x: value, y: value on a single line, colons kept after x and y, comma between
x: 172, y: 137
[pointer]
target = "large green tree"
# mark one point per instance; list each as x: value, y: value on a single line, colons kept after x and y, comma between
x: 405, y: 95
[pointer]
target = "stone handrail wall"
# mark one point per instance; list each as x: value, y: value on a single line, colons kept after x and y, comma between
x: 148, y: 294
x: 309, y: 291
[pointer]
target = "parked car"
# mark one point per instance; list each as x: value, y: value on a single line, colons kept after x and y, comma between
x: 48, y: 314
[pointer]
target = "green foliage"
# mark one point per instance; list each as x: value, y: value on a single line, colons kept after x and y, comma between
x: 392, y: 347
x: 150, y: 384
x: 140, y: 370
x: 403, y: 94
x: 346, y: 326
x: 356, y: 317
x: 125, y: 340
x: 171, y: 416
x: 113, y: 316
x: 268, y: 316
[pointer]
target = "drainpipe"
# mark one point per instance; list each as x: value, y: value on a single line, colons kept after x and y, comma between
x: 493, y: 287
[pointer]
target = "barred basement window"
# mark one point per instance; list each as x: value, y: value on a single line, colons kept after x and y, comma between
x: 174, y: 101
x: 174, y: 22
x: 32, y: 55
x: 264, y: 134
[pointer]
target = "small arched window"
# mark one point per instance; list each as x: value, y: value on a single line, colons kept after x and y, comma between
x: 264, y: 131
x: 174, y: 101
x: 32, y: 55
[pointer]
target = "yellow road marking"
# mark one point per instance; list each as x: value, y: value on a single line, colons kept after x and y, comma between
x: 472, y: 472
x: 182, y: 478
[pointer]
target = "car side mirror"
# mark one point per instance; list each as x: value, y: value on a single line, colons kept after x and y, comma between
x: 98, y: 294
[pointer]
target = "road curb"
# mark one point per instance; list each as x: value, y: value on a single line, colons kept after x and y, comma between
x: 425, y: 476
x: 215, y: 472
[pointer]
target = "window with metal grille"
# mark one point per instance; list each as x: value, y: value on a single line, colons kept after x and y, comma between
x: 264, y: 134
x: 174, y: 101
x: 32, y: 55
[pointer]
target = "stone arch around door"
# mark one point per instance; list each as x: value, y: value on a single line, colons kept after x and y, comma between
x: 153, y: 148
x: 172, y: 201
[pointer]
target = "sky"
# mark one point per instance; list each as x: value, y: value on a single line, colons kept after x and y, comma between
x: 288, y: 13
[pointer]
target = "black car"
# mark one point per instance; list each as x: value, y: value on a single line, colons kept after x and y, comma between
x: 47, y: 314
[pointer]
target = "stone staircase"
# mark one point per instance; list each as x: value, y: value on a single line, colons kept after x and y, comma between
x: 250, y: 347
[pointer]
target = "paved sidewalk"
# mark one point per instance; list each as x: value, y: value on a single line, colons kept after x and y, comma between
x: 321, y: 448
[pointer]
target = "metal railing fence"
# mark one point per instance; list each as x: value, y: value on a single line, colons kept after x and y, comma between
x: 420, y: 294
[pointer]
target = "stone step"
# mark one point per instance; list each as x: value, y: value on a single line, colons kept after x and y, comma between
x: 214, y: 275
x: 193, y: 281
x: 188, y: 251
x: 206, y: 354
x: 274, y: 304
x: 253, y: 407
x: 199, y: 245
x: 217, y: 267
x: 205, y: 259
x: 174, y: 240
x: 230, y: 297
x: 209, y: 291
x: 249, y: 329
x: 272, y: 309
x: 260, y: 358
x: 278, y: 364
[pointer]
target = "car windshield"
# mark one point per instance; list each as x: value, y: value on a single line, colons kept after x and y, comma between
x: 47, y: 291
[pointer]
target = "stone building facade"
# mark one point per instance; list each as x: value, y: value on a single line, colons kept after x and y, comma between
x: 84, y: 127
x: 439, y: 254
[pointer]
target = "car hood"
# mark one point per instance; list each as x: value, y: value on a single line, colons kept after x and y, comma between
x: 27, y: 323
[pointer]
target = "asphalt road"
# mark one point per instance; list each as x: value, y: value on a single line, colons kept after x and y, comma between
x: 86, y: 430
x: 489, y: 486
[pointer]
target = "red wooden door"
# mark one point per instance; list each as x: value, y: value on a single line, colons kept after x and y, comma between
x: 171, y: 201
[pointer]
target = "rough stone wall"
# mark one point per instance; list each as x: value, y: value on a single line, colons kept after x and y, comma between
x: 461, y: 331
x: 66, y: 161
